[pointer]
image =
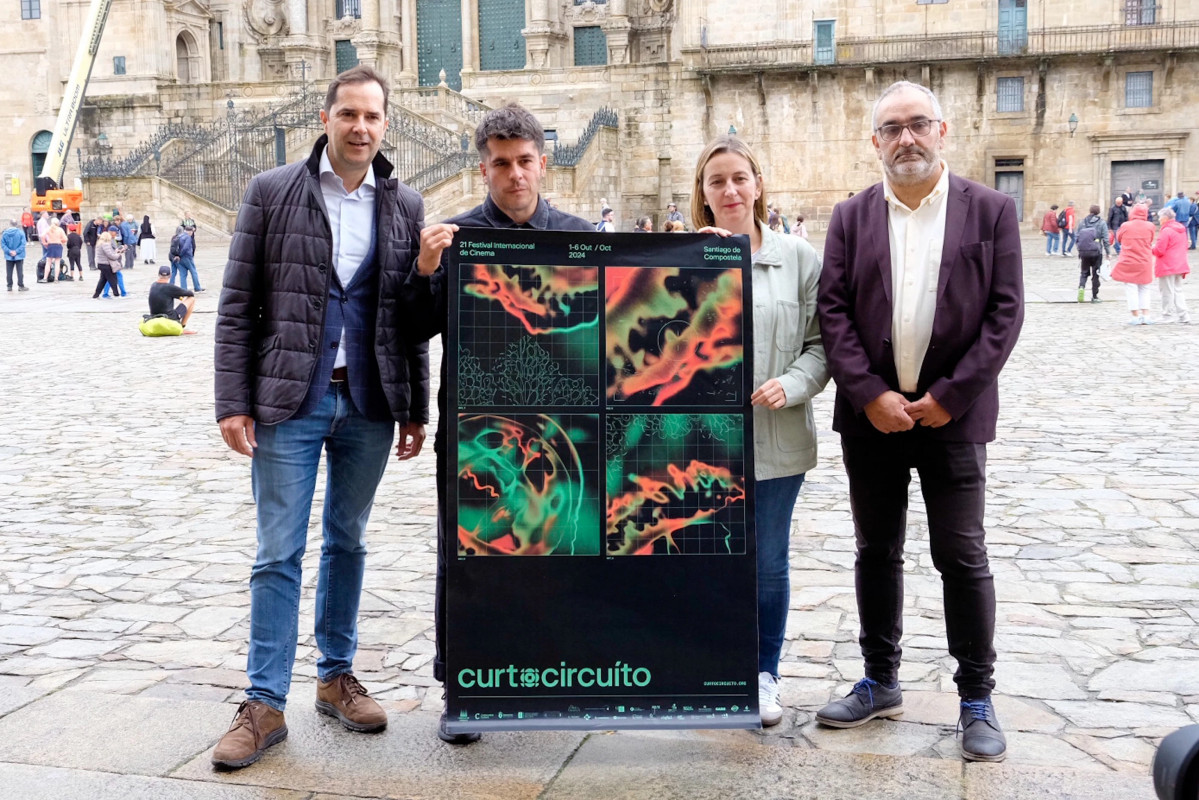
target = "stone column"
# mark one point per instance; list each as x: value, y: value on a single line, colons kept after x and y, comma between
x: 617, y: 29
x: 408, y: 66
x: 470, y: 39
x: 543, y: 34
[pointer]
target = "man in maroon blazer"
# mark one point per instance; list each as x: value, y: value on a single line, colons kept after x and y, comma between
x: 921, y: 301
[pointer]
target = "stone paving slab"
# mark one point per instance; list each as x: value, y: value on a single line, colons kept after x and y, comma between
x: 406, y: 760
x: 52, y: 783
x: 703, y: 766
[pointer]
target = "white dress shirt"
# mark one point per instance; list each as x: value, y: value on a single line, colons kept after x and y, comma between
x: 351, y: 216
x: 916, y: 237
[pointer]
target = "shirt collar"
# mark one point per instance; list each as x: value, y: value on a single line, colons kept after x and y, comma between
x: 936, y: 194
x: 770, y: 254
x: 327, y: 169
x: 498, y: 219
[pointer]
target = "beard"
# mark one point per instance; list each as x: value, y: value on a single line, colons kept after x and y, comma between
x: 911, y: 171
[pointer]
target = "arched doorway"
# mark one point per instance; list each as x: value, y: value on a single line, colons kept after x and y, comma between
x: 38, y: 150
x: 187, y: 58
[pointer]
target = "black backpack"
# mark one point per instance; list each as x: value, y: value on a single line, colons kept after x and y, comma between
x: 1088, y: 241
x: 175, y: 250
x: 1061, y: 219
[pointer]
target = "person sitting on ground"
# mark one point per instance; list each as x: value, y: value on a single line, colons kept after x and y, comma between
x: 163, y: 295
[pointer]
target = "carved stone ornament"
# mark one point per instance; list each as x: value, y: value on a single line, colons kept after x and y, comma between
x: 266, y: 19
x: 658, y: 6
x: 345, y: 27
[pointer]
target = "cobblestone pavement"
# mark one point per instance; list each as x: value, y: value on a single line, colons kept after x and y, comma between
x: 127, y: 532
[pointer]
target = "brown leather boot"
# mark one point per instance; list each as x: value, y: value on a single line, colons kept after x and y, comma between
x: 344, y: 698
x: 256, y: 727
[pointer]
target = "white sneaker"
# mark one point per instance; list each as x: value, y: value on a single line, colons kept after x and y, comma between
x: 768, y: 699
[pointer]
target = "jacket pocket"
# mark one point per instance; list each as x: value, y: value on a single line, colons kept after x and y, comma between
x: 788, y: 332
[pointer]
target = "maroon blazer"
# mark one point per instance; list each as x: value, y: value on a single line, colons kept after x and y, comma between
x: 980, y: 308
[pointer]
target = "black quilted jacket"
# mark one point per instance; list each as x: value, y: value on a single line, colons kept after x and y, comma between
x: 277, y: 283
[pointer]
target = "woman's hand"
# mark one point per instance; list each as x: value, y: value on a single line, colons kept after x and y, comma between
x: 770, y: 395
x: 713, y: 229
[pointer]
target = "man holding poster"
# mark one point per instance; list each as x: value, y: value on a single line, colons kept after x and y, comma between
x: 511, y: 146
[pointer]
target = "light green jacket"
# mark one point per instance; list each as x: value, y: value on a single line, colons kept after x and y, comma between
x: 786, y: 272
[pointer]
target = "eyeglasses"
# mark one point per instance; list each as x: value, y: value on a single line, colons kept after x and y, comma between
x: 921, y: 127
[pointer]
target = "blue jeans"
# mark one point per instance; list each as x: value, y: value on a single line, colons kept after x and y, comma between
x: 1068, y: 240
x: 120, y: 285
x: 283, y: 474
x: 774, y: 506
x: 183, y: 267
x: 1050, y: 243
x: 1193, y: 231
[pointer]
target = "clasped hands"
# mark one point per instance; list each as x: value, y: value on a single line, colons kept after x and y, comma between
x: 891, y: 412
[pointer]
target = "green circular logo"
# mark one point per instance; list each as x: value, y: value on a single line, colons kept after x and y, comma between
x: 530, y: 678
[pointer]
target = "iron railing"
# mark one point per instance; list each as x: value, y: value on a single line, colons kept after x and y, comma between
x: 966, y: 46
x: 146, y: 155
x: 570, y: 155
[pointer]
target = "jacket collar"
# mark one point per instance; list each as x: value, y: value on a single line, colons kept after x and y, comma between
x: 770, y: 254
x: 498, y: 219
x: 381, y: 166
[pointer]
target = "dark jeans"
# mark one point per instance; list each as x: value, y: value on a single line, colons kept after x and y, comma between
x: 19, y: 266
x: 1193, y: 231
x: 953, y: 482
x: 1089, y: 266
x: 91, y: 256
x: 109, y: 277
x: 73, y: 261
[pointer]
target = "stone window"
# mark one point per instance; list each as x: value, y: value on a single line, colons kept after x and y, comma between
x: 31, y: 9
x: 349, y: 8
x: 1140, y: 12
x: 823, y: 49
x: 187, y: 58
x: 1009, y: 94
x: 591, y: 46
x: 1138, y: 89
x: 118, y: 65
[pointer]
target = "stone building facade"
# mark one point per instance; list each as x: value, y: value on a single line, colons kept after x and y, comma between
x: 1048, y: 100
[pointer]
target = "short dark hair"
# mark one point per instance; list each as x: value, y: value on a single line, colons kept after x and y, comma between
x: 512, y: 121
x: 1094, y: 209
x: 1053, y: 207
x: 359, y: 74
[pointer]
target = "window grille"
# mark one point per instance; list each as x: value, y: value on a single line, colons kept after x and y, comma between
x: 31, y: 9
x: 1138, y: 90
x: 349, y: 8
x: 1140, y: 12
x: 1010, y: 94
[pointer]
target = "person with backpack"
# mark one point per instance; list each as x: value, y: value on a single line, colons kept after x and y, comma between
x: 1092, y: 247
x: 1051, y: 229
x: 183, y: 258
x: 1065, y: 221
x: 606, y: 223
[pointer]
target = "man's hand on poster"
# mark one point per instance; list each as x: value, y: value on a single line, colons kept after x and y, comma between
x: 928, y: 412
x: 770, y: 394
x: 888, y: 413
x: 412, y: 438
x: 433, y: 240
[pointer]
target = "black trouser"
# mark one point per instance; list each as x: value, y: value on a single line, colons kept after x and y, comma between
x: 953, y: 482
x: 73, y: 261
x: 91, y: 256
x: 1089, y: 265
x: 19, y: 266
x: 109, y: 277
x: 443, y: 549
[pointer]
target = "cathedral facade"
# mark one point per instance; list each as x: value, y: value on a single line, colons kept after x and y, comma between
x: 1046, y: 100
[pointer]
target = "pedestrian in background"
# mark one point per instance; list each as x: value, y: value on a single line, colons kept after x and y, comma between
x: 91, y: 235
x: 186, y: 258
x: 1134, y: 266
x: 74, y: 252
x: 54, y: 240
x: 147, y: 242
x: 108, y: 256
x: 800, y: 229
x: 13, y: 242
x: 1051, y: 230
x: 1092, y: 245
x: 1171, y: 268
x: 1117, y: 215
x: 27, y: 225
x: 129, y: 235
x: 1068, y: 229
x: 789, y: 371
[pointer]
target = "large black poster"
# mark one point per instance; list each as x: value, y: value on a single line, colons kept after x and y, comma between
x: 600, y: 463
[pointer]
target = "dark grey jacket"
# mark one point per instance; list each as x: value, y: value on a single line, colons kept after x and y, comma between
x: 276, y: 286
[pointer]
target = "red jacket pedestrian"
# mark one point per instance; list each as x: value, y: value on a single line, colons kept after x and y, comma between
x: 1171, y: 250
x: 1135, y: 262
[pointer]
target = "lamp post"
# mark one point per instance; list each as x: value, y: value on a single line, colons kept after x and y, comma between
x: 1073, y: 123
